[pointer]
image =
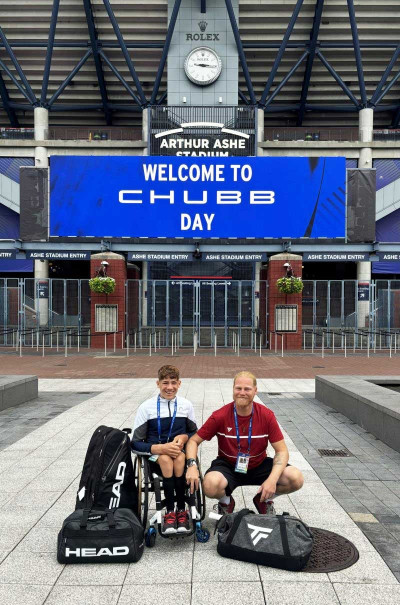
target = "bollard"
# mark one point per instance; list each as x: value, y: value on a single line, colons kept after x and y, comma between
x: 215, y: 345
x: 155, y: 341
x: 276, y: 342
x: 127, y: 345
x: 323, y: 343
x: 37, y: 340
x: 282, y: 344
x: 149, y: 344
x: 57, y: 340
x: 380, y: 341
x: 345, y: 345
x: 43, y: 345
x: 20, y: 345
x: 255, y: 342
x: 390, y: 345
x: 312, y: 342
x: 105, y: 345
x: 260, y: 344
x: 122, y: 340
x: 333, y: 343
x: 115, y: 338
x: 374, y: 342
x: 194, y: 344
x: 79, y: 339
x: 368, y: 345
x: 238, y: 345
x: 135, y: 341
x: 66, y: 346
x: 51, y: 339
x: 304, y: 341
x: 395, y: 342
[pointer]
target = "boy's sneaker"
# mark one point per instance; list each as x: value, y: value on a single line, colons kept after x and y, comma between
x: 169, y: 523
x: 264, y: 508
x: 226, y: 509
x: 183, y: 522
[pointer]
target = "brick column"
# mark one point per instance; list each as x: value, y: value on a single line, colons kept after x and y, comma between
x: 275, y: 271
x: 116, y: 269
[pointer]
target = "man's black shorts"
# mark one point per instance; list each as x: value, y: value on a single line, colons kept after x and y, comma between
x: 254, y: 476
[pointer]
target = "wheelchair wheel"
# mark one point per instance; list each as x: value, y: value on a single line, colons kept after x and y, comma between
x: 140, y: 469
x: 201, y: 498
x: 150, y: 537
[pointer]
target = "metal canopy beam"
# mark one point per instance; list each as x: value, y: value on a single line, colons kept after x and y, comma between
x: 203, y: 8
x: 388, y: 87
x: 70, y: 77
x: 310, y: 59
x: 385, y: 76
x: 6, y: 104
x: 338, y: 79
x: 239, y: 47
x: 281, y: 50
x: 29, y: 91
x: 286, y: 78
x: 17, y: 84
x: 167, y: 43
x: 124, y: 49
x: 357, y: 52
x: 49, y: 54
x: 99, y: 69
x: 120, y: 77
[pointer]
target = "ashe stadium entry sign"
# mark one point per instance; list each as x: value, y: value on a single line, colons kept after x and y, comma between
x: 148, y: 196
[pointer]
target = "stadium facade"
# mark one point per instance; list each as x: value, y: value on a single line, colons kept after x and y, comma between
x: 202, y: 148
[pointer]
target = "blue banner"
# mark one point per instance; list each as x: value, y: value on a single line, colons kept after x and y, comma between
x: 240, y: 197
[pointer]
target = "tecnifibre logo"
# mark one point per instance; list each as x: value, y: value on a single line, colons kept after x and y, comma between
x: 258, y: 533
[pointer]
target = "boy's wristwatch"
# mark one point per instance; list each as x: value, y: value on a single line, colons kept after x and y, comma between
x: 191, y: 462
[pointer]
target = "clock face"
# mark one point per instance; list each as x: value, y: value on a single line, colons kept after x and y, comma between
x: 202, y: 66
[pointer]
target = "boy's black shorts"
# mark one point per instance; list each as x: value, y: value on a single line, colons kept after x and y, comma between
x: 254, y: 476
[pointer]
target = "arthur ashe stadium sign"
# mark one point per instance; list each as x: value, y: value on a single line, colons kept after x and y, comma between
x: 264, y: 197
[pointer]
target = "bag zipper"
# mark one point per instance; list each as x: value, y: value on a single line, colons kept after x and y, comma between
x: 98, y: 466
x: 111, y: 464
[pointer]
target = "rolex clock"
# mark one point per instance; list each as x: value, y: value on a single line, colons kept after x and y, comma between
x: 203, y: 66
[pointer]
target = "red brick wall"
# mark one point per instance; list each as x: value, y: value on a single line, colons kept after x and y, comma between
x: 116, y: 269
x: 275, y: 271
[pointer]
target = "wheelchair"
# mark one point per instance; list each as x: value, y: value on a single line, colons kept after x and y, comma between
x: 149, y: 482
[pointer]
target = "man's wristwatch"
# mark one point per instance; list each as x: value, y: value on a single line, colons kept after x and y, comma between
x: 191, y: 462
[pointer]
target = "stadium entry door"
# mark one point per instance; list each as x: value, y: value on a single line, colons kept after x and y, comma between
x: 213, y: 308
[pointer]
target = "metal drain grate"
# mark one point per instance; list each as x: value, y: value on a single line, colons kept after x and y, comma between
x: 335, y: 453
x: 272, y: 394
x: 330, y: 552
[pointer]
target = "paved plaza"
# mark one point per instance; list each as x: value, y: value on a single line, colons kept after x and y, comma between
x: 42, y: 448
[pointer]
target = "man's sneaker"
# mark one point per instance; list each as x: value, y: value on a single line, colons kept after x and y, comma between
x: 264, y: 508
x: 225, y: 509
x: 183, y: 522
x: 169, y: 523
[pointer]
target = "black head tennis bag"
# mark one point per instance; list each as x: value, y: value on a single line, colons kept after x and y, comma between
x: 273, y: 540
x: 107, y: 479
x: 101, y: 536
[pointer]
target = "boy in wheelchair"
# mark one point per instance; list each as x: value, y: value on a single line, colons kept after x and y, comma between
x: 163, y: 425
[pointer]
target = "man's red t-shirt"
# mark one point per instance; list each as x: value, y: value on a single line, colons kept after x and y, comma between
x: 222, y: 423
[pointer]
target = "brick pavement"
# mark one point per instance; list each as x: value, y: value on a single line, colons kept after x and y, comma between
x: 39, y: 476
x: 366, y: 484
x: 204, y: 365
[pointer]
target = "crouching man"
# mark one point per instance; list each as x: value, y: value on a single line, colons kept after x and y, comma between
x: 243, y: 429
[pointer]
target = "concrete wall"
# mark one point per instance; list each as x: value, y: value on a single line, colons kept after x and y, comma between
x: 15, y: 390
x: 374, y: 408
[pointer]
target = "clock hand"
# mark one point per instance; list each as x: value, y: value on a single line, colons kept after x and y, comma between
x: 204, y: 65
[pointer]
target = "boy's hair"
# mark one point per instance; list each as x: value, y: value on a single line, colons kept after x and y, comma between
x: 246, y: 375
x: 168, y: 372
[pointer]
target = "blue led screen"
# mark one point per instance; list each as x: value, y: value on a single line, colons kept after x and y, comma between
x: 197, y: 197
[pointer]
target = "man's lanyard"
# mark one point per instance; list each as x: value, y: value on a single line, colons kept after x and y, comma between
x: 172, y: 419
x: 237, y: 429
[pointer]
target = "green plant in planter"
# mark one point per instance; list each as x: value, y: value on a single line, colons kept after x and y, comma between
x: 102, y: 285
x: 290, y: 285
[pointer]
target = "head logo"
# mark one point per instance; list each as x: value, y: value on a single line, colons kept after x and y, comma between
x: 203, y: 25
x: 92, y: 552
x: 116, y: 488
x: 258, y: 533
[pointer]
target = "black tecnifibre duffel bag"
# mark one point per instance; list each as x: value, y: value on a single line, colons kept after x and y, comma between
x: 101, y: 536
x: 107, y: 479
x: 273, y: 540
